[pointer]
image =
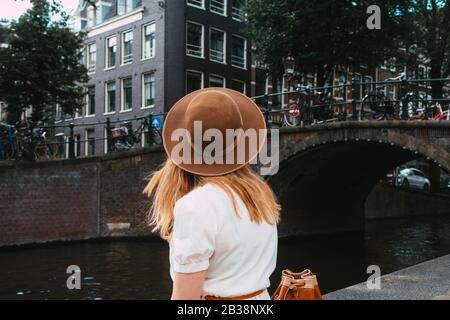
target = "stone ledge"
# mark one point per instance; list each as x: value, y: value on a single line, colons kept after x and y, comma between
x: 424, y: 281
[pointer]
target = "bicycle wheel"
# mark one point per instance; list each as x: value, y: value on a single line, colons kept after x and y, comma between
x: 157, y: 137
x: 376, y: 102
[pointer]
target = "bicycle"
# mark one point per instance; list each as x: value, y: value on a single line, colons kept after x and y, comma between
x: 411, y: 105
x: 314, y: 108
x: 8, y: 146
x: 125, y: 138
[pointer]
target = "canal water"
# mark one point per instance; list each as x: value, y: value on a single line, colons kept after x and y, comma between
x: 138, y: 268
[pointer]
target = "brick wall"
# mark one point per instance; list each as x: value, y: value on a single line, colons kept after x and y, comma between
x: 75, y: 199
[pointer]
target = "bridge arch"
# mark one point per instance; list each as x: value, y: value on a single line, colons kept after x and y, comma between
x: 326, y: 173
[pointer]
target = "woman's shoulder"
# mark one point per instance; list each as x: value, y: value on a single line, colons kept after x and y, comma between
x: 202, y: 197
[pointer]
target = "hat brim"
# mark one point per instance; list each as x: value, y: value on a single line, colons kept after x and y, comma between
x: 252, y: 118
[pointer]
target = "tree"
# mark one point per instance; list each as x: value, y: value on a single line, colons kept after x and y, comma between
x: 431, y: 36
x: 41, y: 66
x: 324, y: 34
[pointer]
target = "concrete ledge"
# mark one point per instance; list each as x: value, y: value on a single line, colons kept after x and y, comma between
x: 424, y: 281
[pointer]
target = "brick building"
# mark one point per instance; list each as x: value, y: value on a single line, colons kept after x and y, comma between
x: 143, y: 55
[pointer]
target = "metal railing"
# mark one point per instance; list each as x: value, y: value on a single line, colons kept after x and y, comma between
x: 81, y: 139
x: 412, y: 102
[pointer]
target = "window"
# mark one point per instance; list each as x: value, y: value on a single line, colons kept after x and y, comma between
x: 238, y: 85
x: 237, y: 10
x: 368, y: 84
x: 196, y: 3
x: 216, y: 81
x: 90, y: 142
x: 148, y: 89
x: 148, y: 48
x: 127, y: 97
x: 124, y: 6
x: 218, y: 6
x: 111, y: 52
x: 83, y: 56
x: 103, y: 10
x: 127, y: 47
x: 83, y: 23
x: 194, y: 39
x: 91, y: 58
x: 238, y: 52
x: 110, y: 102
x: 217, y: 46
x: 194, y: 81
x: 356, y: 86
x: 90, y: 101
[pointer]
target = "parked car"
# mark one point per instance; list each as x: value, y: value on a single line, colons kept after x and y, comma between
x: 413, y: 178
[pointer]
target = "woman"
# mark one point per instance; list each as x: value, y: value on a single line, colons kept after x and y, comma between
x: 218, y: 216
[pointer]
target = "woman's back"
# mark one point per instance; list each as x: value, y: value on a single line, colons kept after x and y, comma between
x: 238, y: 255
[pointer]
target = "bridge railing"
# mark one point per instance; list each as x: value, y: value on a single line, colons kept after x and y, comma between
x: 405, y: 99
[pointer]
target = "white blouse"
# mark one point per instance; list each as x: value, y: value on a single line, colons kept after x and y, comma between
x: 239, y: 255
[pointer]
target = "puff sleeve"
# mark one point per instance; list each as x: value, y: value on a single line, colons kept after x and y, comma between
x: 193, y: 238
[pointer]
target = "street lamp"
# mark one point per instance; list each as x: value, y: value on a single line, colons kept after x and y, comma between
x: 289, y: 64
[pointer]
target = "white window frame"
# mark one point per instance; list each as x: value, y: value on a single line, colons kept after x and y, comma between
x: 122, y: 95
x: 122, y: 56
x: 143, y: 106
x: 237, y: 14
x: 86, y: 142
x: 107, y: 111
x: 202, y: 6
x: 90, y: 17
x: 86, y: 114
x: 89, y: 65
x: 127, y: 9
x: 202, y: 56
x: 99, y: 18
x: 107, y: 53
x: 58, y: 113
x: 105, y: 141
x: 217, y: 76
x: 76, y: 142
x: 224, y: 61
x: 211, y: 5
x: 152, y: 49
x: 243, y: 82
x: 193, y: 71
x: 245, y: 52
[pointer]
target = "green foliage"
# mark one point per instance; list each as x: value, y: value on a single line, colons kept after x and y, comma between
x: 41, y: 65
x: 431, y: 38
x: 324, y: 34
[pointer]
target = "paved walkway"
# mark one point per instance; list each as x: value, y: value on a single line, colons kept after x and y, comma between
x: 424, y: 281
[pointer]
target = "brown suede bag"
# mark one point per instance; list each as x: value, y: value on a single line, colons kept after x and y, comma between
x: 297, y: 286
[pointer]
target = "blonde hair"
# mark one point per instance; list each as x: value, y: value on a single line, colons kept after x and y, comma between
x: 170, y: 183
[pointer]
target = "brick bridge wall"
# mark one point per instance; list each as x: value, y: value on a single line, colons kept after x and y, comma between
x: 75, y: 199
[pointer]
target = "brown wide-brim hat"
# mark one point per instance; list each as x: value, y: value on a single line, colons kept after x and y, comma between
x: 218, y: 109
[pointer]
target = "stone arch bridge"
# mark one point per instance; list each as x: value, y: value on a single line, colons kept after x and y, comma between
x: 327, y: 171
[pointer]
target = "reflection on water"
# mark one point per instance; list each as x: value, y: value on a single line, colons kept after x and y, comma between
x: 138, y: 268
